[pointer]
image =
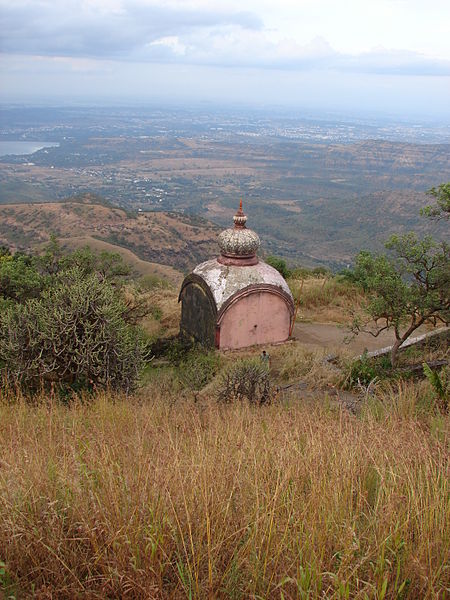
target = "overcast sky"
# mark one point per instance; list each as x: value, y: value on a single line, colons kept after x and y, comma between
x: 377, y: 55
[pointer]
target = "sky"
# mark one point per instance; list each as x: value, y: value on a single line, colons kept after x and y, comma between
x: 382, y: 56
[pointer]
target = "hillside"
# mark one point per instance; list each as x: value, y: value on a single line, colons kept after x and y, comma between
x: 157, y: 237
x: 333, y: 231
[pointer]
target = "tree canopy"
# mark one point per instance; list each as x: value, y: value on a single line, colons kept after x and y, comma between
x: 441, y: 208
x: 406, y: 288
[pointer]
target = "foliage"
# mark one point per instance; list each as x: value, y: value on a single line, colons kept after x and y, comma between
x: 246, y: 380
x: 75, y: 334
x: 23, y: 276
x: 365, y: 370
x: 441, y: 208
x: 406, y: 289
x: 321, y: 271
x: 67, y: 320
x: 198, y: 368
x: 300, y: 273
x: 191, y: 366
x: 150, y: 282
x: 19, y: 279
x: 279, y: 264
x: 440, y: 383
x: 108, y: 266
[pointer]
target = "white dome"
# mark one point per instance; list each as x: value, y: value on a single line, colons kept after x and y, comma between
x: 225, y: 281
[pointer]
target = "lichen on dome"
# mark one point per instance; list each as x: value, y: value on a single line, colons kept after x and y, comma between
x: 238, y: 243
x: 225, y: 281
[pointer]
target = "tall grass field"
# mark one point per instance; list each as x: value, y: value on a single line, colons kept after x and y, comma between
x: 157, y: 497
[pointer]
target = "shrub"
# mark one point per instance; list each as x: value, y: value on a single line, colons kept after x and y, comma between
x: 74, y: 335
x: 301, y: 273
x: 364, y: 370
x: 279, y: 264
x: 440, y: 383
x: 198, y: 368
x: 150, y: 282
x: 246, y: 380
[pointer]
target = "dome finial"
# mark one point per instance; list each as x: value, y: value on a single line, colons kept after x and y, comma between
x: 239, y: 218
x: 238, y: 245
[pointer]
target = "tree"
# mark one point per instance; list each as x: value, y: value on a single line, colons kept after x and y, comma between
x: 441, y: 209
x: 19, y: 279
x: 405, y: 289
x: 279, y: 264
x: 107, y: 265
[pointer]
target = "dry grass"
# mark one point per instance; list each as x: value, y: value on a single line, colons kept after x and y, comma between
x: 138, y: 266
x: 151, y: 498
x: 167, y: 322
x: 326, y: 300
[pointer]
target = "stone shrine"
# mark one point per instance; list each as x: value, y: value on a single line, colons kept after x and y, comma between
x: 236, y: 300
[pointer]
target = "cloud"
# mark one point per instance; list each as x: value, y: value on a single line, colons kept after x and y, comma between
x: 191, y: 33
x: 93, y: 29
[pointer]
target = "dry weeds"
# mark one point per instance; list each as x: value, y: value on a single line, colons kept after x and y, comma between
x: 151, y: 498
x: 325, y: 299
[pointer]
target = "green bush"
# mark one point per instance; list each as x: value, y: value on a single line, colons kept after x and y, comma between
x: 198, y: 368
x: 365, y: 369
x: 73, y: 336
x: 301, y: 273
x: 279, y: 264
x: 151, y: 282
x: 440, y: 383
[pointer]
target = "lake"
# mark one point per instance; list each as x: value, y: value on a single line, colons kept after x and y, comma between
x: 19, y: 148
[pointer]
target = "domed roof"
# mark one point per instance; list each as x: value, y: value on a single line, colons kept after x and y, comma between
x: 238, y: 270
x: 238, y: 245
x: 225, y: 281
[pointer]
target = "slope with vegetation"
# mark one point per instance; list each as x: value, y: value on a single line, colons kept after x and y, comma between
x: 167, y: 239
x: 68, y: 322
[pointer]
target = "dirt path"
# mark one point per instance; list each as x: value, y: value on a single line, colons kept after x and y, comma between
x: 327, y: 335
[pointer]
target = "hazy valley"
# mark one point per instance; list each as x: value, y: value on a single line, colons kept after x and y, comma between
x: 316, y: 190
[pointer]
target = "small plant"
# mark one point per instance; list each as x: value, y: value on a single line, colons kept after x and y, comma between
x: 247, y: 380
x: 198, y: 368
x: 150, y: 282
x: 279, y: 264
x: 321, y: 271
x: 364, y: 370
x: 6, y: 583
x: 440, y: 382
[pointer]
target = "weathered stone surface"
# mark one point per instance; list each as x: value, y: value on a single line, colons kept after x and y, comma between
x: 238, y: 242
x: 224, y: 280
x: 198, y: 314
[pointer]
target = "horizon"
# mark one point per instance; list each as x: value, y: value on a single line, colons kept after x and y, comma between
x: 257, y: 109
x: 392, y: 58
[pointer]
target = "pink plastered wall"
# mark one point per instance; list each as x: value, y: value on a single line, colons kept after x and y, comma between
x: 259, y: 318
